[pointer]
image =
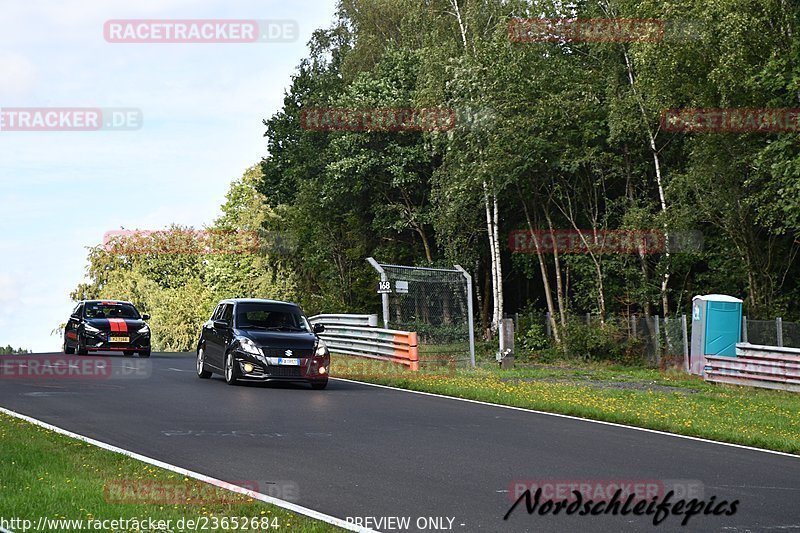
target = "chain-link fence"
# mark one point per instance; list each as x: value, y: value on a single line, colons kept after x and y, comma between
x: 664, y: 342
x: 771, y: 332
x: 434, y: 302
x: 651, y: 340
x: 762, y: 332
x: 661, y: 341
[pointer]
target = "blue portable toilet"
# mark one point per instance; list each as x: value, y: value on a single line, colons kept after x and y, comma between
x: 716, y: 328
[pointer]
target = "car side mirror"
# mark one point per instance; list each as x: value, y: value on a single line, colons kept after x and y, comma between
x: 318, y: 328
x: 221, y: 324
x: 145, y: 317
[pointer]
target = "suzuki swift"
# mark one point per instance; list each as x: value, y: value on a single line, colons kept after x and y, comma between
x: 262, y: 340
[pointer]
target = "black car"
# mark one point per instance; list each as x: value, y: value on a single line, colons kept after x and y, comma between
x: 107, y: 325
x: 262, y: 340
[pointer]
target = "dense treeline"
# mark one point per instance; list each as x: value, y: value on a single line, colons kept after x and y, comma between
x: 179, y: 274
x: 549, y: 135
x: 10, y: 350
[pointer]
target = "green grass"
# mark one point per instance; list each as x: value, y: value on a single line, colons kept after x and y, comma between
x: 46, y: 474
x: 648, y: 398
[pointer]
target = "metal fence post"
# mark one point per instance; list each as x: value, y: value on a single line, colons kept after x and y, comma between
x: 505, y: 356
x: 669, y: 352
x: 685, y: 344
x: 470, y: 321
x: 657, y: 343
x: 779, y: 330
x: 384, y: 296
x: 744, y: 328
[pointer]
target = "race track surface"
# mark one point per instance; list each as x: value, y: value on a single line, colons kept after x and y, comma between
x: 355, y: 450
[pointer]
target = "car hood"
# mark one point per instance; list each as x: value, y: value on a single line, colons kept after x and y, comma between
x: 119, y: 324
x: 281, y: 339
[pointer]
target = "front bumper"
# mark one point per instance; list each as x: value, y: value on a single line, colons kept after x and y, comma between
x: 254, y: 368
x: 100, y: 342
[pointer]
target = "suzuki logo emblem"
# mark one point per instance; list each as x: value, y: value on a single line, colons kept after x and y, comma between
x: 287, y: 353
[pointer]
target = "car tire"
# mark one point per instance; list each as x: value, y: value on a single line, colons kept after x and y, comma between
x: 144, y: 354
x: 67, y: 349
x: 202, y: 373
x: 231, y: 370
x: 79, y: 348
x: 319, y: 385
x: 128, y: 353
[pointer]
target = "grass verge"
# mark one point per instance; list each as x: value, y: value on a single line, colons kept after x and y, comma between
x: 663, y: 400
x: 45, y: 474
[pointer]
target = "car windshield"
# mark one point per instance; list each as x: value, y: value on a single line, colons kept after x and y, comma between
x: 110, y: 310
x: 270, y: 317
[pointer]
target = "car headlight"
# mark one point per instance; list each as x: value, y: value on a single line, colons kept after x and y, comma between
x: 91, y: 329
x: 322, y: 349
x: 143, y: 329
x: 248, y: 346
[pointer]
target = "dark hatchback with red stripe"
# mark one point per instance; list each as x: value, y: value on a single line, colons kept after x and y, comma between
x: 107, y: 326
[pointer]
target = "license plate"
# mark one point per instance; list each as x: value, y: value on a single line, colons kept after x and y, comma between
x: 119, y: 339
x: 288, y: 362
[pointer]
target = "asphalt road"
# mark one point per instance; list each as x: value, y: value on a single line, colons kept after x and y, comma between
x: 360, y: 451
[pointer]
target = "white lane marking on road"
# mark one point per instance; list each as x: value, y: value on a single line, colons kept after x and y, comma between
x: 289, y: 506
x: 570, y: 417
x: 179, y: 370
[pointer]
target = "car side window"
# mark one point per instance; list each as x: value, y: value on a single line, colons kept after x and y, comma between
x: 217, y: 312
x: 227, y: 314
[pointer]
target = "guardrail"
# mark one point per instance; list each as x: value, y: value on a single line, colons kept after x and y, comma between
x: 366, y: 321
x: 768, y: 367
x: 371, y: 342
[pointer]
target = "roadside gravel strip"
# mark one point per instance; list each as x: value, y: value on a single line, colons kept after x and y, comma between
x: 374, y: 457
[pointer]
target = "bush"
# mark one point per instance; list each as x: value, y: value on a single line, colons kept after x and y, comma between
x: 534, y: 339
x: 600, y: 342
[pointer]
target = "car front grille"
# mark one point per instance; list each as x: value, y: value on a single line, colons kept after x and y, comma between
x: 281, y: 352
x: 284, y: 371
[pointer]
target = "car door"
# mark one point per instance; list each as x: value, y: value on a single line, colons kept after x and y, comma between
x: 73, y: 324
x: 225, y: 335
x: 211, y: 339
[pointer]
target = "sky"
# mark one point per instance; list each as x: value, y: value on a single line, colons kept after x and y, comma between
x: 201, y: 106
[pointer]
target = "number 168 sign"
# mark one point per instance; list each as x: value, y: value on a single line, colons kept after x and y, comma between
x: 384, y: 287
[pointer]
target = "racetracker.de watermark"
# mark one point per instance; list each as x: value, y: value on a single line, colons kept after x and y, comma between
x: 70, y: 118
x: 65, y: 367
x: 354, y: 368
x: 604, y: 489
x: 191, y: 241
x: 172, y: 31
x: 623, y: 30
x: 193, y: 492
x: 571, y: 241
x: 383, y: 119
x: 731, y: 120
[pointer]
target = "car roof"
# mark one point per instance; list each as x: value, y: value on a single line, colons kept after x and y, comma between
x: 257, y: 301
x: 107, y: 301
